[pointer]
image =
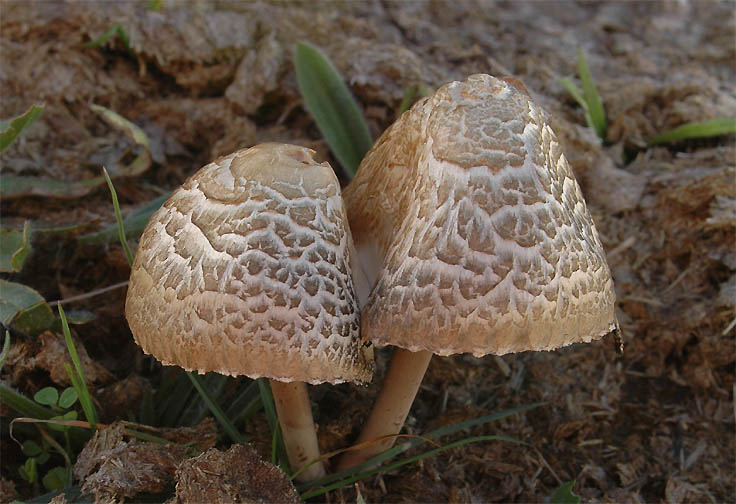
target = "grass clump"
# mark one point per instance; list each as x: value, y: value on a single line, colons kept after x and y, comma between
x: 588, y: 97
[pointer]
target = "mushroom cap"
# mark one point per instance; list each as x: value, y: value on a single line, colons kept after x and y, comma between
x: 480, y: 237
x: 245, y: 270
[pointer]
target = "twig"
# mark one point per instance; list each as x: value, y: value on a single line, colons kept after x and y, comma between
x: 627, y: 243
x: 89, y: 294
x: 549, y: 467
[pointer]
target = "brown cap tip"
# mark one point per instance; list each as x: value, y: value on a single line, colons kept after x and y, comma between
x: 245, y: 270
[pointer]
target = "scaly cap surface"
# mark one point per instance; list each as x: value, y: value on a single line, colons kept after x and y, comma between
x: 482, y: 240
x: 245, y: 270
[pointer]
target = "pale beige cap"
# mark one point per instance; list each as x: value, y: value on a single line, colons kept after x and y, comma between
x: 245, y: 270
x: 482, y: 241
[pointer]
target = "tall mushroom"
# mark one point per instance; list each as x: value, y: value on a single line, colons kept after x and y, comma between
x: 469, y: 220
x: 246, y: 270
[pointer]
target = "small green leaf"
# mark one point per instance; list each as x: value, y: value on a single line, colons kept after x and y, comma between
x: 55, y: 479
x: 332, y: 107
x: 34, y: 319
x: 14, y: 248
x: 31, y: 448
x: 48, y: 396
x: 69, y: 415
x: 23, y: 308
x: 44, y: 457
x: 564, y: 495
x: 28, y: 470
x: 590, y: 93
x: 9, y: 130
x: 68, y: 397
x: 714, y: 127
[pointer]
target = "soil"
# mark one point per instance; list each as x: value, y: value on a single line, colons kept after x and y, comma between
x: 206, y: 78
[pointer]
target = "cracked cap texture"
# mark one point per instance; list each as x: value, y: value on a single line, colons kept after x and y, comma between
x: 245, y: 270
x: 479, y: 233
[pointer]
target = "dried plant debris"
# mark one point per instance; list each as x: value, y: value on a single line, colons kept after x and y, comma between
x: 237, y: 475
x: 202, y: 436
x: 123, y: 396
x: 112, y: 468
x: 59, y: 499
x: 7, y: 490
x: 49, y: 352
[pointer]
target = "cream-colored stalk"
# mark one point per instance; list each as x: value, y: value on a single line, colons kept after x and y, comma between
x: 297, y: 428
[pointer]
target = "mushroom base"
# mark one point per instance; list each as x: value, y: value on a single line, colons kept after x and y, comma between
x: 392, y: 405
x: 297, y: 428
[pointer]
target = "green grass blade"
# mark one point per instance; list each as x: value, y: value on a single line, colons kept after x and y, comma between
x: 9, y: 130
x: 590, y: 93
x: 575, y: 92
x: 23, y: 405
x: 274, y: 443
x: 451, y: 429
x: 409, y: 97
x: 105, y: 37
x: 339, y: 484
x: 714, y: 127
x: 255, y: 405
x: 115, y: 29
x: 246, y: 403
x: 172, y: 397
x: 332, y: 107
x: 6, y: 350
x: 392, y: 452
x: 133, y: 223
x: 81, y: 384
x: 215, y: 383
x: 145, y: 436
x: 407, y: 100
x: 118, y: 218
x: 216, y: 410
x: 147, y: 411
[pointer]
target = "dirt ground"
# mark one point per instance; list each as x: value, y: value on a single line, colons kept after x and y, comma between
x: 206, y: 78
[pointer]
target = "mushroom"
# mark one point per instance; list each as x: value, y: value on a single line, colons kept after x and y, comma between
x: 246, y: 270
x: 476, y: 239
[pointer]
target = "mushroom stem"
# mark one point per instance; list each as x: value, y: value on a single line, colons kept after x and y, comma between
x: 392, y: 405
x: 297, y: 428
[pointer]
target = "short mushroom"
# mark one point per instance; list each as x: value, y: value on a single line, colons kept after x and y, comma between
x: 469, y: 220
x: 246, y: 270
